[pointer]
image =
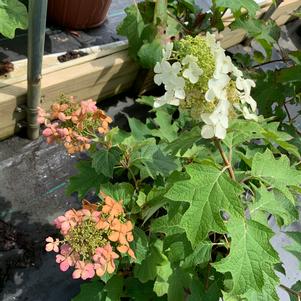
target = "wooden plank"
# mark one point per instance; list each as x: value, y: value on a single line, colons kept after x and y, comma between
x: 51, y: 63
x: 100, y: 78
x: 284, y: 12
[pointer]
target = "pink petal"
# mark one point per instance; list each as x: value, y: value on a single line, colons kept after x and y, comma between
x: 64, y: 265
x: 49, y: 247
x: 49, y: 239
x: 76, y: 274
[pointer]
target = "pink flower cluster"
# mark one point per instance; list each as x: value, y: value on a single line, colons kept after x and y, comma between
x: 76, y: 124
x: 112, y: 235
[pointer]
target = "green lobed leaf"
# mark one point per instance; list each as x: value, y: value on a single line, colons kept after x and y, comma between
x: 276, y: 203
x: 161, y: 284
x: 105, y: 159
x: 151, y: 161
x: 209, y: 191
x: 251, y: 259
x: 139, y: 130
x: 250, y: 5
x: 114, y: 288
x: 200, y: 255
x: 91, y: 291
x: 150, y: 53
x: 132, y: 27
x: 148, y: 269
x: 140, y: 245
x: 276, y: 172
x: 167, y: 130
x: 13, y: 15
x: 86, y: 179
x: 185, y: 141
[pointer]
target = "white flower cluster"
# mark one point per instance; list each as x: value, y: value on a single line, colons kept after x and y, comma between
x: 170, y: 76
x: 216, y: 123
x: 173, y: 77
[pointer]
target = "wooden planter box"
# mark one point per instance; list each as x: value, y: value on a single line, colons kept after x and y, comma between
x: 105, y: 72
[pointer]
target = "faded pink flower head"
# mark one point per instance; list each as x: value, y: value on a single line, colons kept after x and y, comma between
x: 83, y: 270
x: 53, y: 245
x: 88, y: 106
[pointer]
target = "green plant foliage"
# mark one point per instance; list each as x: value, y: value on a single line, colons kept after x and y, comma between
x: 208, y: 191
x: 86, y: 180
x: 250, y: 5
x: 13, y: 15
x: 201, y: 207
x: 281, y: 178
x: 295, y: 246
x: 252, y: 257
x: 104, y: 161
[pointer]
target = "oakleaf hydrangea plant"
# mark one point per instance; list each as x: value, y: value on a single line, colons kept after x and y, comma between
x: 186, y: 198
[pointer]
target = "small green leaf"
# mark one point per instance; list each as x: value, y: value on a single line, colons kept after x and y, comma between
x: 13, y: 15
x: 105, y: 159
x: 141, y: 245
x: 276, y: 203
x: 139, y: 130
x: 119, y: 191
x: 150, y: 53
x: 86, y: 179
x: 161, y: 284
x: 250, y: 5
x: 201, y: 254
x: 151, y: 161
x: 132, y: 27
x: 167, y: 130
x: 91, y: 291
x: 147, y: 270
x: 114, y: 288
x: 276, y: 172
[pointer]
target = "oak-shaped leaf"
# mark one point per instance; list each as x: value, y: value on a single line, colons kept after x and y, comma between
x: 252, y: 258
x: 209, y: 192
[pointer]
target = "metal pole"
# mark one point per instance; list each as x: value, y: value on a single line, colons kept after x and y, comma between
x: 36, y: 39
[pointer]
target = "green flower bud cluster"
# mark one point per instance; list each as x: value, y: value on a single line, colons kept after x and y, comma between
x: 195, y: 93
x: 85, y: 238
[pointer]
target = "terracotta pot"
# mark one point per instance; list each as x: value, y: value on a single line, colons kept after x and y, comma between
x: 78, y: 14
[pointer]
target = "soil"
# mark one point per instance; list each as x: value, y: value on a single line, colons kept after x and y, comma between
x: 71, y: 55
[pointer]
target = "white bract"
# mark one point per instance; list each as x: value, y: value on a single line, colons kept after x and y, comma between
x: 193, y: 72
x: 216, y: 123
x: 168, y: 98
x: 167, y: 74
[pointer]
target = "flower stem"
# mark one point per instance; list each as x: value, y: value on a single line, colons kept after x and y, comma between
x: 134, y: 178
x: 225, y: 159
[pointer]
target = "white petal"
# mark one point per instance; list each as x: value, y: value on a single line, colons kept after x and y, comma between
x: 167, y: 51
x: 180, y: 93
x: 209, y: 96
x: 176, y: 67
x: 157, y: 68
x: 207, y: 132
x: 206, y: 118
x: 220, y: 132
